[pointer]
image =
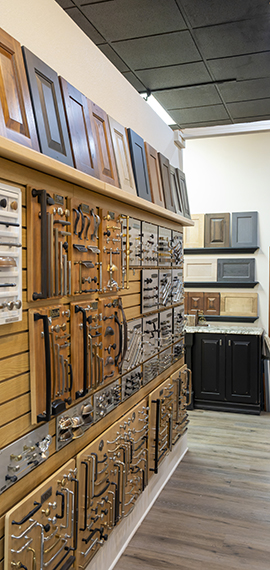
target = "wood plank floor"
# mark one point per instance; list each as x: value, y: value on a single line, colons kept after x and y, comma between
x: 214, y: 512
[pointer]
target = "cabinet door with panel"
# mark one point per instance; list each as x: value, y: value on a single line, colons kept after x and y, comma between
x: 211, y: 303
x: 106, y: 159
x: 122, y: 156
x: 194, y: 236
x: 194, y: 302
x: 154, y: 175
x: 242, y: 368
x: 244, y: 229
x: 139, y: 165
x: 166, y: 182
x: 217, y: 230
x: 176, y: 191
x: 209, y: 367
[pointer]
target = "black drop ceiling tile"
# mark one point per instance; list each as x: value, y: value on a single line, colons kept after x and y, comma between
x: 253, y: 119
x: 249, y: 36
x: 113, y: 57
x: 84, y: 24
x: 65, y: 3
x: 200, y: 114
x: 255, y: 108
x: 210, y: 12
x: 245, y: 90
x: 124, y: 19
x: 241, y: 67
x: 156, y: 51
x: 134, y: 81
x: 189, y: 97
x: 174, y: 75
x: 205, y: 124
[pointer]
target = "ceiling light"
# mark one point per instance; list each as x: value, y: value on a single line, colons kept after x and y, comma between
x: 158, y: 109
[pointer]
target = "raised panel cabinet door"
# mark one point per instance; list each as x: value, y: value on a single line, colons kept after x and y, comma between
x: 194, y: 302
x: 154, y: 175
x: 211, y: 303
x: 139, y: 165
x: 242, y: 368
x: 194, y: 236
x: 198, y: 269
x: 48, y: 108
x: 239, y: 304
x: 81, y: 129
x: 209, y: 367
x: 244, y: 229
x: 122, y: 156
x: 183, y: 192
x: 236, y: 270
x: 106, y: 158
x: 176, y: 191
x: 16, y: 114
x: 166, y: 182
x: 217, y: 230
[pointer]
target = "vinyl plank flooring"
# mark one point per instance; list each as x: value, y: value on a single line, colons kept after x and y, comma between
x: 214, y: 511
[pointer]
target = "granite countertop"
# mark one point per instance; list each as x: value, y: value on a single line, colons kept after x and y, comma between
x: 225, y: 329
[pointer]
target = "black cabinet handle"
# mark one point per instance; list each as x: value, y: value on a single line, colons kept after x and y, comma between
x: 43, y: 199
x: 62, y: 505
x: 29, y: 515
x: 83, y: 392
x: 157, y: 402
x: 47, y: 415
x: 68, y: 563
x: 76, y: 481
x: 125, y: 334
x: 83, y: 222
x: 116, y: 320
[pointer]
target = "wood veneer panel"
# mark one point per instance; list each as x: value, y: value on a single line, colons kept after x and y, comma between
x: 154, y: 175
x: 122, y: 156
x: 194, y: 236
x: 106, y: 159
x: 16, y: 113
x: 139, y: 165
x: 166, y: 182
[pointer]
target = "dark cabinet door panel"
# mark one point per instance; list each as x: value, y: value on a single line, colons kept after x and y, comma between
x: 106, y: 158
x: 234, y: 270
x: 211, y: 303
x: 16, y: 114
x: 166, y: 182
x: 176, y: 191
x: 209, y: 367
x: 217, y: 230
x: 154, y: 175
x: 244, y: 229
x: 48, y: 108
x: 139, y: 165
x: 194, y: 302
x: 242, y: 368
x: 81, y: 129
x: 122, y: 157
x: 183, y: 192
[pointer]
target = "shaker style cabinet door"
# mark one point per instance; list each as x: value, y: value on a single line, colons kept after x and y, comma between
x: 194, y: 236
x: 200, y: 270
x: 184, y: 194
x: 236, y: 270
x: 211, y: 303
x: 176, y: 191
x: 106, y: 159
x: 48, y: 108
x: 217, y: 230
x: 242, y: 368
x: 81, y: 129
x: 122, y: 156
x: 166, y: 182
x: 239, y: 304
x: 16, y: 114
x: 244, y: 229
x: 139, y: 165
x: 209, y: 366
x: 154, y: 175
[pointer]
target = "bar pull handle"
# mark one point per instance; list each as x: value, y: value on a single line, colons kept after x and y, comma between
x: 68, y: 563
x: 158, y: 410
x: 125, y: 335
x: 83, y: 222
x: 189, y: 386
x: 76, y: 481
x: 83, y: 392
x: 47, y: 415
x: 116, y: 320
x: 43, y: 199
x: 85, y: 494
x: 29, y: 515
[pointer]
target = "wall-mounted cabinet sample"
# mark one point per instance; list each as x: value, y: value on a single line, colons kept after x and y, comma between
x: 236, y: 270
x: 239, y: 304
x: 48, y: 108
x: 194, y: 236
x: 244, y: 229
x: 154, y: 175
x: 139, y: 165
x: 166, y: 182
x: 81, y: 129
x: 194, y: 302
x: 16, y: 114
x: 106, y: 159
x: 211, y: 303
x: 122, y: 156
x: 176, y: 191
x: 184, y: 193
x: 198, y: 269
x: 217, y: 230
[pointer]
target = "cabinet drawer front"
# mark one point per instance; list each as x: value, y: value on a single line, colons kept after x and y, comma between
x: 233, y: 270
x: 198, y: 269
x: 194, y: 236
x: 217, y: 230
x: 239, y: 304
x: 211, y: 303
x: 244, y: 229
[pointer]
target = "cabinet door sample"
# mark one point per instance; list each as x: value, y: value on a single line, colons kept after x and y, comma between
x: 122, y: 156
x: 184, y: 193
x: 16, y: 114
x: 211, y: 303
x: 176, y: 191
x: 198, y: 269
x: 239, y: 304
x: 166, y: 182
x: 139, y: 165
x: 106, y: 159
x: 81, y: 129
x: 194, y: 302
x: 236, y: 270
x: 242, y: 368
x: 217, y: 230
x: 154, y: 175
x: 209, y: 366
x: 244, y: 229
x: 194, y: 236
x: 48, y: 108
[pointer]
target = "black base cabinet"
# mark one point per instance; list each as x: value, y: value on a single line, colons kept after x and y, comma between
x: 226, y: 372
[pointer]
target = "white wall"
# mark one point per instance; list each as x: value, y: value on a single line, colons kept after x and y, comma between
x: 44, y: 28
x: 232, y: 174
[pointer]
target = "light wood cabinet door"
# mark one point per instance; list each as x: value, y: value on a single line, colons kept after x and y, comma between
x: 194, y: 302
x: 16, y: 114
x: 217, y: 230
x: 81, y: 129
x: 197, y: 269
x: 239, y: 304
x: 122, y: 156
x: 139, y: 165
x: 106, y: 159
x: 154, y: 175
x: 166, y: 182
x: 211, y: 303
x: 194, y: 236
x: 244, y: 229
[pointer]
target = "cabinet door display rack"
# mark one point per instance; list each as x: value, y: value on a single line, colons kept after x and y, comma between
x: 215, y: 250
x: 219, y: 284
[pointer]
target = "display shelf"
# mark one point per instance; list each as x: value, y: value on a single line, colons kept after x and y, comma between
x: 207, y: 250
x: 217, y: 285
x: 230, y: 319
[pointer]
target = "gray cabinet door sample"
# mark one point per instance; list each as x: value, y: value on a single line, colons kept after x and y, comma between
x: 236, y: 270
x: 244, y: 229
x: 217, y: 230
x: 138, y: 160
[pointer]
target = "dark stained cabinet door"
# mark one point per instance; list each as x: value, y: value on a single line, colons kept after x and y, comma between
x: 211, y: 303
x: 154, y: 175
x: 194, y: 302
x: 106, y: 158
x: 139, y: 165
x: 217, y: 230
x: 209, y: 367
x: 16, y: 114
x: 122, y: 157
x: 176, y: 191
x: 242, y: 368
x: 183, y: 192
x: 81, y: 129
x: 48, y: 108
x: 166, y: 182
